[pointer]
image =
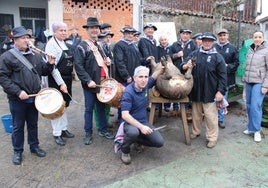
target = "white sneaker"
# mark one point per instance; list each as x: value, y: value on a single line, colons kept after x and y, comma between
x: 257, y: 136
x: 247, y: 132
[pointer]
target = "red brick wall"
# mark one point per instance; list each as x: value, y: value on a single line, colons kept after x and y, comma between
x: 118, y: 13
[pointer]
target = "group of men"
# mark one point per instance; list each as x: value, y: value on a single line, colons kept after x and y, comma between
x: 127, y: 61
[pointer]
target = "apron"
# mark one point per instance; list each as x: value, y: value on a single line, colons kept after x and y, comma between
x: 65, y: 67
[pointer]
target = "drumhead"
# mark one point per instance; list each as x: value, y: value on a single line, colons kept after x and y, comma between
x: 48, y: 101
x: 108, y: 91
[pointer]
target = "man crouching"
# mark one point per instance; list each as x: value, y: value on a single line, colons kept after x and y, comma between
x: 133, y: 104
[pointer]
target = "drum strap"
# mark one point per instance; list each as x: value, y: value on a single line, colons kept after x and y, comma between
x: 25, y: 61
x: 98, y: 56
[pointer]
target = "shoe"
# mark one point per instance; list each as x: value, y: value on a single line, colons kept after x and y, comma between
x: 125, y: 157
x: 59, y: 140
x: 211, y: 144
x: 106, y: 134
x: 247, y: 132
x: 17, y: 158
x: 257, y: 136
x: 221, y: 124
x: 67, y: 134
x: 88, y: 138
x: 193, y: 136
x: 38, y: 152
x: 138, y: 147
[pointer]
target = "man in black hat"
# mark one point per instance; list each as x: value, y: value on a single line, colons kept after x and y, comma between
x: 126, y: 58
x: 180, y: 50
x: 209, y: 74
x: 91, y: 67
x: 197, y: 39
x: 105, y: 27
x: 20, y: 74
x: 147, y: 44
x: 231, y: 57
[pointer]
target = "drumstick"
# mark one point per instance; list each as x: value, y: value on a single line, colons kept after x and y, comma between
x: 37, y: 94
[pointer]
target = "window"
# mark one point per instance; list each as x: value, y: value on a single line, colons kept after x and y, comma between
x: 6, y: 23
x: 35, y: 19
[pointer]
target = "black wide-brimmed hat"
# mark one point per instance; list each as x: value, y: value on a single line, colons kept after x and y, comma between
x: 19, y: 31
x: 104, y: 34
x: 150, y: 26
x: 105, y: 25
x: 208, y: 35
x: 91, y: 22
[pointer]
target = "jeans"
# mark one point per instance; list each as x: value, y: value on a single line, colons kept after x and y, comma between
x: 90, y: 101
x: 24, y: 112
x: 254, y: 99
x: 221, y: 113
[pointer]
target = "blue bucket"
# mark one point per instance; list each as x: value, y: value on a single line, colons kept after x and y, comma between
x: 7, y: 122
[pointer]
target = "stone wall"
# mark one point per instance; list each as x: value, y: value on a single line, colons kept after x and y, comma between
x: 203, y: 24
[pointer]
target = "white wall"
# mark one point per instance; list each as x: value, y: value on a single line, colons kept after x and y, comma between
x: 12, y: 7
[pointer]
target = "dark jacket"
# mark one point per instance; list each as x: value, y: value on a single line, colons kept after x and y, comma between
x: 209, y: 76
x: 189, y: 47
x: 86, y: 66
x: 163, y: 52
x: 147, y: 48
x: 126, y: 58
x: 230, y: 55
x: 15, y: 76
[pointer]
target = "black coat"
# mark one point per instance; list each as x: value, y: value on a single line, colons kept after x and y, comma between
x: 163, y: 52
x: 15, y: 76
x: 86, y: 66
x: 187, y: 49
x: 231, y: 57
x: 147, y: 48
x: 126, y: 58
x: 209, y: 76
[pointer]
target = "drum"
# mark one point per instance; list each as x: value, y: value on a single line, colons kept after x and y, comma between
x: 49, y: 102
x: 110, y: 92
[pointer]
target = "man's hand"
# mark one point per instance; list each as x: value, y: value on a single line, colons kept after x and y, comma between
x: 150, y: 58
x: 51, y: 59
x: 218, y: 96
x: 91, y: 84
x: 63, y: 88
x: 23, y: 95
x: 129, y: 80
x: 146, y: 130
x: 187, y: 65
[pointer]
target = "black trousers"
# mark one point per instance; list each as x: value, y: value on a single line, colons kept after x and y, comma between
x: 132, y: 134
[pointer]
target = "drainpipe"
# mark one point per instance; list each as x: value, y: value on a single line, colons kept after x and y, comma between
x: 141, y: 15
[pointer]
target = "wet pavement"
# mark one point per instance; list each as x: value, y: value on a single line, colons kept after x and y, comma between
x: 236, y: 161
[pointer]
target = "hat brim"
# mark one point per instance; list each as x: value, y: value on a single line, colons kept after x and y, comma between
x: 94, y: 25
x: 150, y: 27
x: 20, y: 35
x: 208, y: 37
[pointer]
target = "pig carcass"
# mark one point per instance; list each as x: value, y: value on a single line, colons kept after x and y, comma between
x: 172, y: 84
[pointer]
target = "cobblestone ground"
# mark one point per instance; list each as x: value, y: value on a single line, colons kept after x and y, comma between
x: 236, y: 161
